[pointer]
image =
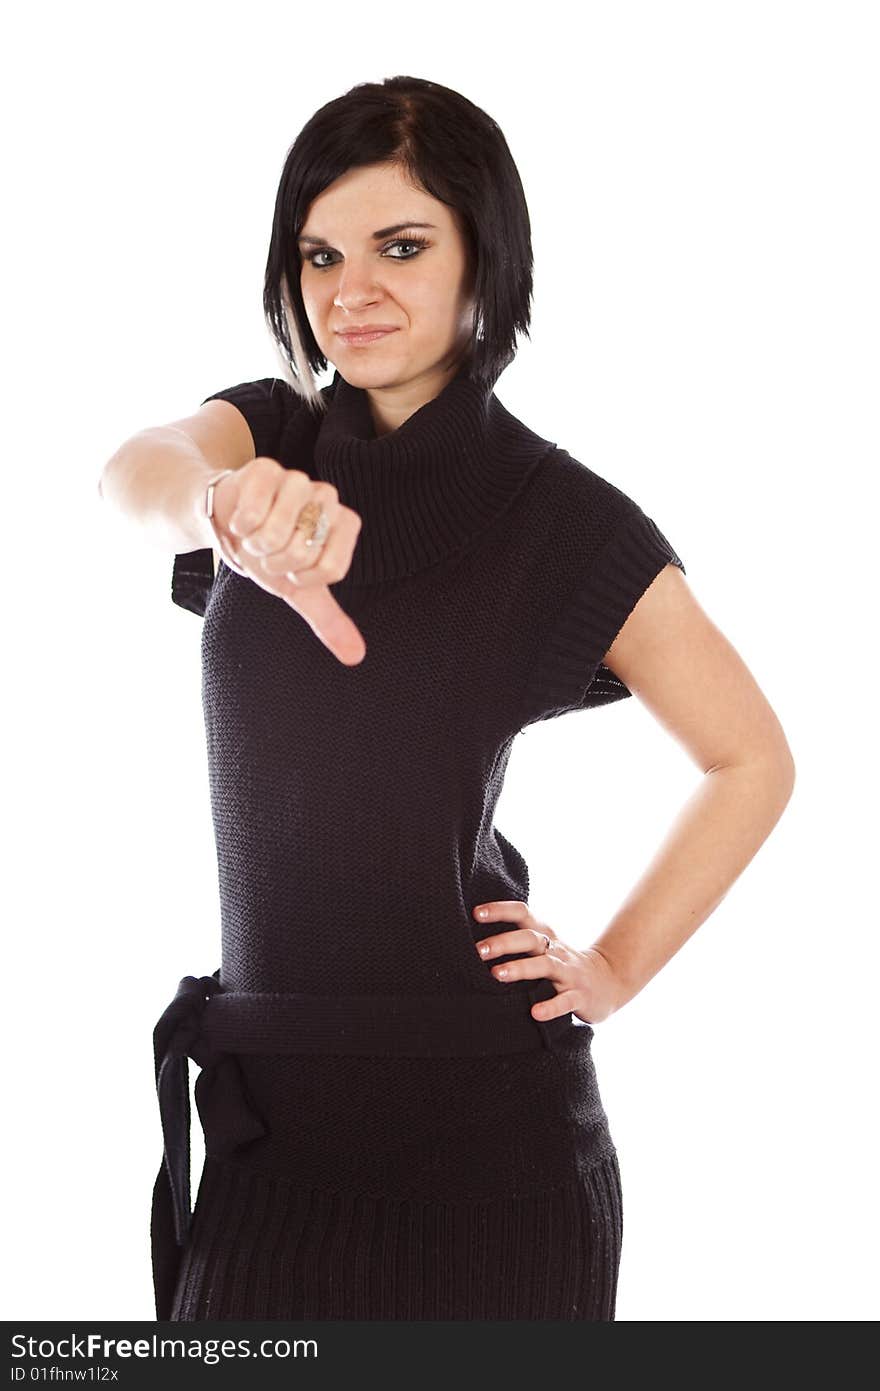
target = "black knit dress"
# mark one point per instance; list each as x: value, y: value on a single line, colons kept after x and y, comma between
x: 389, y: 1132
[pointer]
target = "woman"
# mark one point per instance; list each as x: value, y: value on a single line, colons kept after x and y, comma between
x: 401, y: 1112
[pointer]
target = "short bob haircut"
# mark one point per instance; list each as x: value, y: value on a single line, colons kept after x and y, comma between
x: 456, y: 153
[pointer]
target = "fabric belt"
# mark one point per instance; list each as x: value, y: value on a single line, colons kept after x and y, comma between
x: 211, y: 1025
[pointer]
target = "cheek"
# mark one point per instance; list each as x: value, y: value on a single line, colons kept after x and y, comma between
x: 316, y: 305
x: 434, y: 299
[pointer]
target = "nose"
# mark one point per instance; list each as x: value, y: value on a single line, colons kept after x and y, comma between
x: 356, y: 287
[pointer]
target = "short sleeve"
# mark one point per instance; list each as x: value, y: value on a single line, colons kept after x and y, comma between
x: 570, y: 673
x: 265, y: 405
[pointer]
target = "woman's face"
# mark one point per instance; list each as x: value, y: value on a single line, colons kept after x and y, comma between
x: 351, y: 277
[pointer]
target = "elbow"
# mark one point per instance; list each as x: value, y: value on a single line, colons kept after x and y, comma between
x: 780, y: 769
x: 769, y: 772
x: 777, y: 759
x: 787, y: 778
x: 780, y: 773
x: 787, y: 769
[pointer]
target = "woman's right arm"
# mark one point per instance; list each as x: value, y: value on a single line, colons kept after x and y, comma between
x: 157, y: 478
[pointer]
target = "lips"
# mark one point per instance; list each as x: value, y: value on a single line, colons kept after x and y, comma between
x: 365, y: 335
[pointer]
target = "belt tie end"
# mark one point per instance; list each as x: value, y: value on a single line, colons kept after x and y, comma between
x: 226, y: 1112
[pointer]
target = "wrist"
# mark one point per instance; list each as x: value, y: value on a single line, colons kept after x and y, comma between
x: 620, y: 990
x: 201, y: 498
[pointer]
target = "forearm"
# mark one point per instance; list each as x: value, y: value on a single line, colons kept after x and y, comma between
x: 717, y: 833
x: 157, y: 479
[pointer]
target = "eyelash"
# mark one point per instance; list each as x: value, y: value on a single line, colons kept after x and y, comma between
x: 421, y: 242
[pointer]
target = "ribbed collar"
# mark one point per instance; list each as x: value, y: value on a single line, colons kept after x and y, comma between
x: 427, y: 489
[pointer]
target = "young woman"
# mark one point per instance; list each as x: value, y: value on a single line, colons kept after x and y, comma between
x: 401, y: 1113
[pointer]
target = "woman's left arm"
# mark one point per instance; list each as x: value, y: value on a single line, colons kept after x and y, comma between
x: 694, y: 682
x: 672, y: 656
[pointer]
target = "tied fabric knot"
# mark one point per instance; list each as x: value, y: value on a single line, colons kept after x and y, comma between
x: 227, y: 1116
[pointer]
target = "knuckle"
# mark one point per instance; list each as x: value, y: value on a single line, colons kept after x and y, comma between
x: 326, y: 567
x: 264, y: 540
x: 245, y: 515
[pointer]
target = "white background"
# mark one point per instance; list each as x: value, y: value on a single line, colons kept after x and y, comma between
x: 702, y: 183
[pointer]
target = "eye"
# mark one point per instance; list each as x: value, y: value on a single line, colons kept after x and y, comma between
x: 418, y: 242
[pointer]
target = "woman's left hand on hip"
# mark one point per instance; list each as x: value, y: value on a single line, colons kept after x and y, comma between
x: 585, y: 981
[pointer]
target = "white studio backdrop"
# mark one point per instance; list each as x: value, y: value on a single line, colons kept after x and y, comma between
x: 702, y: 185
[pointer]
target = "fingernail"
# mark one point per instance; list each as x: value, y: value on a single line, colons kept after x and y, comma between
x: 484, y: 949
x: 482, y: 912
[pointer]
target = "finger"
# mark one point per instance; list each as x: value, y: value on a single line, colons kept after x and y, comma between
x: 323, y: 613
x: 272, y: 537
x: 332, y: 560
x: 502, y: 910
x: 305, y: 553
x: 328, y: 621
x: 275, y: 529
x: 327, y: 562
x: 529, y: 968
x: 499, y: 943
x: 229, y: 554
x: 258, y: 484
x: 563, y: 1002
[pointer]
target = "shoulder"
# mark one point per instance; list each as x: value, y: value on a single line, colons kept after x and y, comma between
x: 563, y: 492
x: 599, y: 553
x: 576, y: 511
x: 576, y: 484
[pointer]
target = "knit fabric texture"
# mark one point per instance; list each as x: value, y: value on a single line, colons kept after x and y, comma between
x: 353, y: 811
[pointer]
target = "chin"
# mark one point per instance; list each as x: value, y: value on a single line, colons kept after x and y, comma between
x: 372, y: 374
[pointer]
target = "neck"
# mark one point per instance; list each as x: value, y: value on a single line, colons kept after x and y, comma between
x: 391, y: 406
x: 428, y: 488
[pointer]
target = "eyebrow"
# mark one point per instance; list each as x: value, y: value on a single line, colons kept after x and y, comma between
x: 377, y: 236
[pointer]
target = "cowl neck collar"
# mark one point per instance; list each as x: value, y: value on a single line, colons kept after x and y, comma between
x: 429, y: 488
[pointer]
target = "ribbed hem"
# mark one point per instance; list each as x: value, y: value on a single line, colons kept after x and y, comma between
x: 570, y: 672
x: 262, y: 1248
